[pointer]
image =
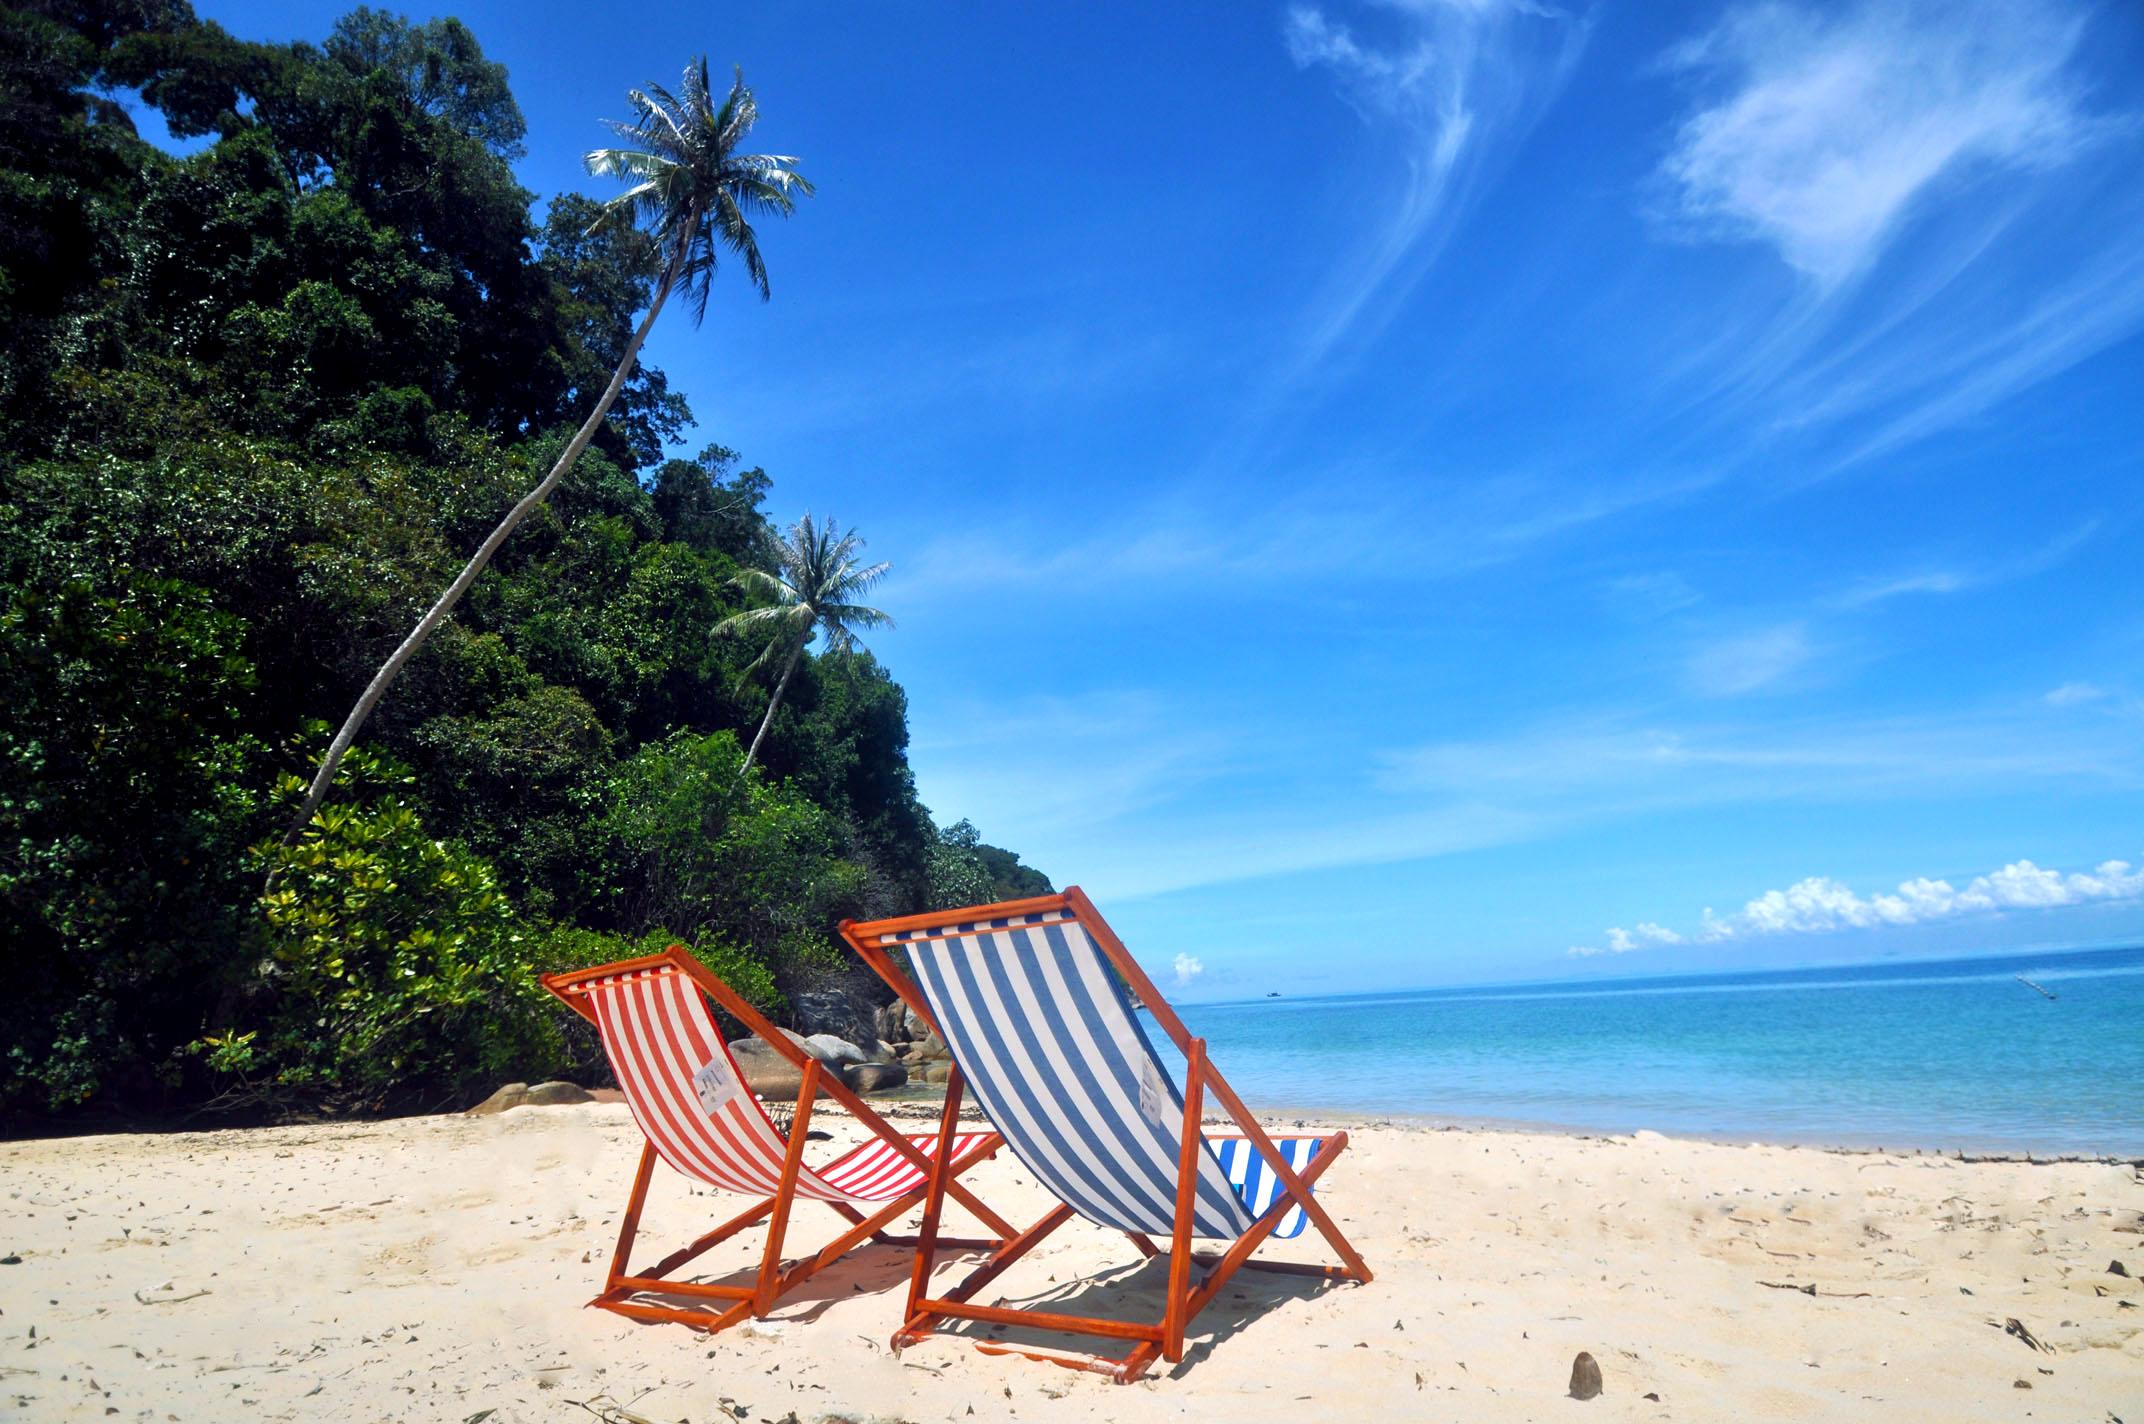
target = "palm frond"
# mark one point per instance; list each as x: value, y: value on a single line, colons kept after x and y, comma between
x: 738, y: 234
x: 765, y: 585
x: 690, y: 188
x: 820, y: 574
x: 856, y: 615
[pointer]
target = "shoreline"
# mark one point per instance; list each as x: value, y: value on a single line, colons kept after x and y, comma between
x: 921, y: 1105
x: 906, y: 1106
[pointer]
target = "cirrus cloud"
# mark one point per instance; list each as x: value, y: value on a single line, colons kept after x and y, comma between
x: 1828, y: 129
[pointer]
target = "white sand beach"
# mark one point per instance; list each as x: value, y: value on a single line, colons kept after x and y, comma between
x: 436, y: 1268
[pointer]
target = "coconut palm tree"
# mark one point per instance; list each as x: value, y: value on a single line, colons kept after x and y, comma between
x: 817, y: 576
x: 697, y: 196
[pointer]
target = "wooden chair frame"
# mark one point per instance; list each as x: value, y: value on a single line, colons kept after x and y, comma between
x: 774, y: 1279
x: 1164, y: 1339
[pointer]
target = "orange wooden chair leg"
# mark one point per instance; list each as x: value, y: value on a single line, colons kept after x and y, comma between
x: 1187, y: 1184
x: 630, y: 1227
x: 770, y: 1265
x: 919, y: 1274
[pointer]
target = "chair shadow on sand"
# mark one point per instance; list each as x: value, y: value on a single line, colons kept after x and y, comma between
x: 1135, y: 1294
x: 1132, y: 1293
x: 868, y: 1270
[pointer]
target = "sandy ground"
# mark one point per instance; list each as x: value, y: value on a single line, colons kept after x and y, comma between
x: 436, y: 1268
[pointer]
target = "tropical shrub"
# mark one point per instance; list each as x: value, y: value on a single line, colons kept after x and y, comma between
x: 391, y: 960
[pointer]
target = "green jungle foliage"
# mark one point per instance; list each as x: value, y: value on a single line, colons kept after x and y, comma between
x: 259, y: 403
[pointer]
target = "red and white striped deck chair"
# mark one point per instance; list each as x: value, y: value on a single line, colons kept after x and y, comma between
x: 696, y: 1113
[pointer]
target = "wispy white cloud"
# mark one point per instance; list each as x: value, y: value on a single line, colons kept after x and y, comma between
x: 2070, y: 694
x: 1966, y: 366
x: 1188, y: 967
x: 1459, y: 523
x: 1455, y: 83
x: 1609, y: 766
x: 1829, y: 128
x: 1952, y: 149
x: 1112, y: 757
x: 1653, y: 595
x: 1820, y: 904
x: 1749, y: 662
x: 1137, y: 797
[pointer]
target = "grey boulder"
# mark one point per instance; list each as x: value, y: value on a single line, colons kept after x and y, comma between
x: 766, y: 1072
x: 835, y: 1052
x: 874, y: 1077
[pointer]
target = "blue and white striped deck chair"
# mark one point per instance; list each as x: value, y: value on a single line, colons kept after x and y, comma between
x: 1030, y: 997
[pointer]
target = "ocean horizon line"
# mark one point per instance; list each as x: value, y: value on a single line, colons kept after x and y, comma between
x: 1803, y: 975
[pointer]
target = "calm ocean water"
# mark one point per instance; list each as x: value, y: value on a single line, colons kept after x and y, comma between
x: 1950, y: 1054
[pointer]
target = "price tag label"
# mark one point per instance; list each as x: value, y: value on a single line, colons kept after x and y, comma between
x: 1153, y: 1096
x: 716, y: 1085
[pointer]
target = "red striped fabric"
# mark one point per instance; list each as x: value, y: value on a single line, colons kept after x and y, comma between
x: 657, y: 1034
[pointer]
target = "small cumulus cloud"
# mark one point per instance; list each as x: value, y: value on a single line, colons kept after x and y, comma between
x: 1819, y: 904
x: 1188, y: 968
x: 1621, y: 941
x: 1823, y: 130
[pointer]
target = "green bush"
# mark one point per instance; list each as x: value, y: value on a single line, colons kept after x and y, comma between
x: 394, y: 960
x: 700, y: 844
x: 126, y: 793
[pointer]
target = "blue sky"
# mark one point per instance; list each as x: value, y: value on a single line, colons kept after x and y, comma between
x: 1393, y: 494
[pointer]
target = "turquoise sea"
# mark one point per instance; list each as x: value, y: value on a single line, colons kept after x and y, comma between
x: 1940, y: 1054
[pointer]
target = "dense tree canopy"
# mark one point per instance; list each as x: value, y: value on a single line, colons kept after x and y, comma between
x: 260, y: 402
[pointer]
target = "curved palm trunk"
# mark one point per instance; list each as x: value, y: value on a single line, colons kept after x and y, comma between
x: 752, y: 752
x: 377, y: 688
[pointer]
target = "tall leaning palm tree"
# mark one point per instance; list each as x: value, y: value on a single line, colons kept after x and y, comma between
x: 697, y: 196
x: 818, y: 576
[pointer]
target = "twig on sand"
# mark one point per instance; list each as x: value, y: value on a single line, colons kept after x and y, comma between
x: 168, y: 1299
x: 1810, y: 1289
x: 609, y: 1410
x: 2014, y: 1326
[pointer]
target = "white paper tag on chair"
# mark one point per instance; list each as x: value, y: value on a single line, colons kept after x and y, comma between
x: 716, y: 1085
x: 1153, y: 1097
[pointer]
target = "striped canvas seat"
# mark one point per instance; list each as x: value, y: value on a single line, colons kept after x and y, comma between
x: 697, y: 1113
x: 691, y: 1101
x: 1033, y: 998
x: 1257, y: 1183
x: 1049, y: 1043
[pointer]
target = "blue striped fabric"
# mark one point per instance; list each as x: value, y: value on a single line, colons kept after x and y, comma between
x: 1256, y: 1181
x: 1047, y: 1041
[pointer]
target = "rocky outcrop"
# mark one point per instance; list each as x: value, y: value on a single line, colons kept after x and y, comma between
x: 521, y: 1095
x: 844, y: 1010
x: 512, y: 1095
x: 770, y: 1074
